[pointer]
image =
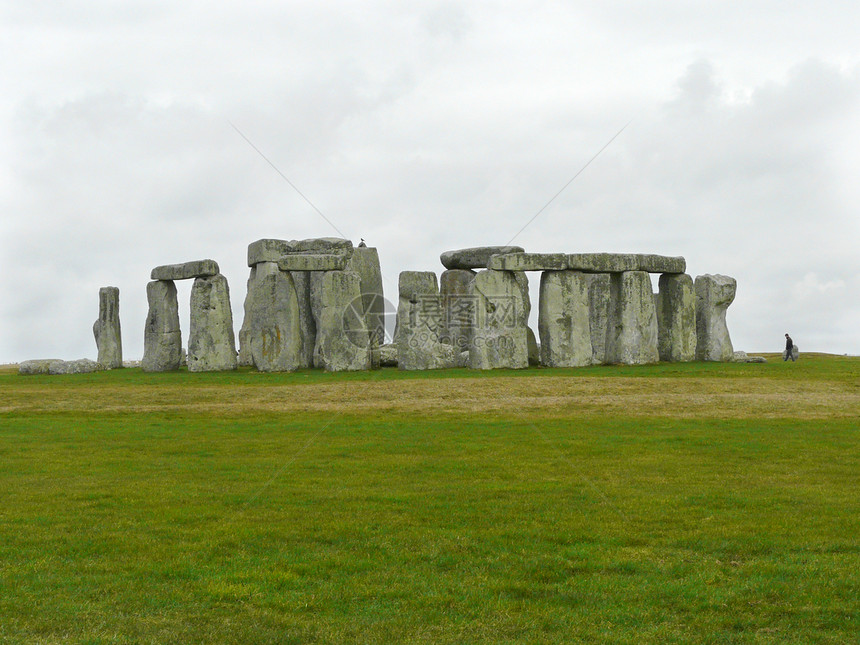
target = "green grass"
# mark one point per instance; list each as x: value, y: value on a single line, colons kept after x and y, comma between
x: 258, y: 525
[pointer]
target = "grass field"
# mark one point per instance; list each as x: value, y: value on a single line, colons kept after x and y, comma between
x: 675, y: 503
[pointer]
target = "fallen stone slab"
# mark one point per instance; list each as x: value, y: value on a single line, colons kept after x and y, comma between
x: 36, y: 366
x: 743, y: 357
x: 185, y: 271
x: 528, y: 262
x: 476, y: 257
x: 269, y: 250
x: 307, y: 262
x: 618, y: 262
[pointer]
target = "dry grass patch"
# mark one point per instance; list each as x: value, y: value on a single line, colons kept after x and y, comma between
x: 681, y: 397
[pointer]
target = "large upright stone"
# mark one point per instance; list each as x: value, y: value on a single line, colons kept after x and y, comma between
x: 107, y: 329
x: 365, y: 262
x: 563, y: 319
x: 307, y: 322
x: 676, y: 318
x: 458, y: 307
x: 162, y: 339
x: 185, y: 271
x: 342, y: 341
x: 271, y: 333
x: 599, y: 306
x: 475, y: 257
x: 421, y: 324
x: 211, y: 343
x: 714, y: 294
x: 500, y: 336
x: 632, y: 337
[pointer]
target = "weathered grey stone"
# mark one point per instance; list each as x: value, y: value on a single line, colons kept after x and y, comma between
x: 271, y: 332
x: 714, y: 294
x: 476, y: 257
x: 599, y: 303
x: 307, y: 322
x: 269, y: 250
x: 244, y: 356
x: 365, y: 262
x: 528, y: 262
x: 107, y: 329
x: 323, y: 245
x: 676, y: 318
x: 420, y: 324
x: 36, y: 366
x: 342, y: 340
x: 458, y: 307
x: 211, y: 343
x: 307, y: 262
x: 632, y: 337
x: 618, y: 262
x: 185, y: 271
x: 79, y: 366
x: 500, y: 336
x: 563, y: 324
x: 534, y: 348
x: 162, y: 340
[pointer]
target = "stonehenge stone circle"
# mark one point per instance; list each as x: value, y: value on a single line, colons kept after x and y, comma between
x: 107, y: 329
x: 342, y: 341
x: 632, y: 337
x: 563, y: 319
x: 676, y: 318
x: 476, y: 257
x: 162, y: 340
x: 211, y: 343
x: 500, y: 337
x: 185, y: 271
x: 714, y: 294
x: 271, y: 333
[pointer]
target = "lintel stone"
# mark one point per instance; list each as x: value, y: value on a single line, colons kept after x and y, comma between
x: 618, y: 262
x: 269, y: 250
x: 475, y: 257
x: 300, y: 262
x: 186, y: 270
x: 528, y: 262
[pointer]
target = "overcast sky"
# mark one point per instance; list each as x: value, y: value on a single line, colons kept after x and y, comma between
x: 423, y: 127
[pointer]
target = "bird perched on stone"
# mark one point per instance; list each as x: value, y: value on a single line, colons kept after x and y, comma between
x: 361, y: 244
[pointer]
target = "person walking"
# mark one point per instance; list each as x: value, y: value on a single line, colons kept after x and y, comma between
x: 789, y: 349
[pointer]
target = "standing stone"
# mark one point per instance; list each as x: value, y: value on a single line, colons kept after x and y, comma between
x: 342, y: 340
x: 271, y: 333
x: 632, y: 337
x: 421, y: 324
x: 714, y: 294
x: 107, y: 329
x: 162, y: 340
x: 307, y: 322
x: 458, y: 307
x: 211, y: 343
x: 599, y: 302
x: 676, y: 318
x: 365, y: 262
x: 500, y: 337
x: 534, y: 348
x: 244, y: 357
x: 563, y: 320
